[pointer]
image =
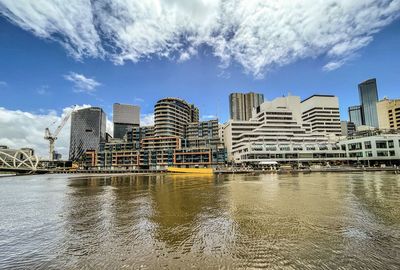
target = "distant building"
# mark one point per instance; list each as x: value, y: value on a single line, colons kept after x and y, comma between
x: 356, y: 115
x: 203, y: 134
x: 194, y: 114
x: 241, y: 105
x: 171, y: 115
x: 389, y: 114
x: 88, y: 130
x: 125, y: 117
x: 347, y: 128
x: 368, y: 93
x: 322, y: 112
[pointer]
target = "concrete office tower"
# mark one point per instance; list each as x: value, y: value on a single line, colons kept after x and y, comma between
x: 88, y: 129
x: 322, y: 112
x: 348, y: 128
x: 125, y: 117
x: 368, y: 93
x: 356, y: 115
x: 171, y: 115
x: 389, y: 114
x: 241, y: 105
x: 274, y: 122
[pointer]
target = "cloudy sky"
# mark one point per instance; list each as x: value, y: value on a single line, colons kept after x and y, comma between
x: 56, y: 53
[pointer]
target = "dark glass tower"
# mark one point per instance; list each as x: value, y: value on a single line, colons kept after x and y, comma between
x: 368, y: 93
x: 88, y: 129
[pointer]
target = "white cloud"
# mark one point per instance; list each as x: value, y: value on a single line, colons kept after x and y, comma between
x: 147, y: 119
x: 82, y: 83
x: 140, y: 100
x: 43, y: 90
x: 258, y: 34
x: 209, y: 117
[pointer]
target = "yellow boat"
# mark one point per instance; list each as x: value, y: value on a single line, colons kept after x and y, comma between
x: 190, y: 170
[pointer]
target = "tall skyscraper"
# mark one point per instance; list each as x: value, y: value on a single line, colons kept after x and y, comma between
x: 322, y: 112
x: 88, y: 129
x: 356, y: 115
x: 368, y: 93
x: 241, y: 105
x: 125, y: 117
x: 171, y: 115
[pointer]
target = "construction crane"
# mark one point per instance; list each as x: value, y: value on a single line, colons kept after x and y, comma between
x: 52, y: 137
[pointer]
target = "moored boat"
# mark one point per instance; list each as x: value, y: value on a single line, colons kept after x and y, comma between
x: 190, y: 170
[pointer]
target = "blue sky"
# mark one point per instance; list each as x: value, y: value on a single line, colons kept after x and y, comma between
x: 201, y: 53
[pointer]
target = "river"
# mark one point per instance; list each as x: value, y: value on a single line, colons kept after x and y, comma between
x: 305, y: 221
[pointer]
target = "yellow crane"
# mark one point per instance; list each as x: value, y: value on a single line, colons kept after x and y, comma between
x: 52, y: 137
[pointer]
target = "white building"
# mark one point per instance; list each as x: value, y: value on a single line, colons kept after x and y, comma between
x: 322, y: 112
x: 372, y: 147
x: 277, y: 122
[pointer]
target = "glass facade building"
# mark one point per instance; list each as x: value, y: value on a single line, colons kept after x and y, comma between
x: 356, y: 115
x: 88, y: 130
x: 368, y: 93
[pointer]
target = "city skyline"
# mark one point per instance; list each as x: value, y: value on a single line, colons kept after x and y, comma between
x: 51, y: 75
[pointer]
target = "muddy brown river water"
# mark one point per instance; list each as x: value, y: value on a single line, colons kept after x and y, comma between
x: 310, y: 221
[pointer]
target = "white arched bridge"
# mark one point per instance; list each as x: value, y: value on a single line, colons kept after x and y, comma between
x: 18, y: 161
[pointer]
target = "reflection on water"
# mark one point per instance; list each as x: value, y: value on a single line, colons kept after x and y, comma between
x: 186, y: 221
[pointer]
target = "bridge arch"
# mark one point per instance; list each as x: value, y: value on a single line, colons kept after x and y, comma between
x: 19, y: 160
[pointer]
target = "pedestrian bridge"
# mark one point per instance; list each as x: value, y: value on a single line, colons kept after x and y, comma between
x: 18, y: 161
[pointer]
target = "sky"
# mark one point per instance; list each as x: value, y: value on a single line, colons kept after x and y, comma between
x: 55, y: 54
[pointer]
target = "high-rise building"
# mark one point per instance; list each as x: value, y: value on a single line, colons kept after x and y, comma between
x: 194, y: 114
x: 348, y: 128
x: 171, y: 115
x: 389, y: 114
x: 356, y: 115
x: 275, y: 123
x: 368, y: 93
x: 241, y: 105
x: 125, y: 117
x: 322, y: 112
x: 88, y: 130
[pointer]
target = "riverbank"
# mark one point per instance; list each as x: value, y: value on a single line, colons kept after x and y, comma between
x: 220, y: 171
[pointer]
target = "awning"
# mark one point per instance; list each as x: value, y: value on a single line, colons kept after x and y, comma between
x: 271, y: 162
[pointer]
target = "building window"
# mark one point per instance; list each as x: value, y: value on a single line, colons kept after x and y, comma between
x: 354, y: 146
x: 368, y: 153
x: 382, y: 153
x: 356, y: 154
x: 367, y: 145
x: 392, y: 153
x: 391, y: 144
x: 381, y: 144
